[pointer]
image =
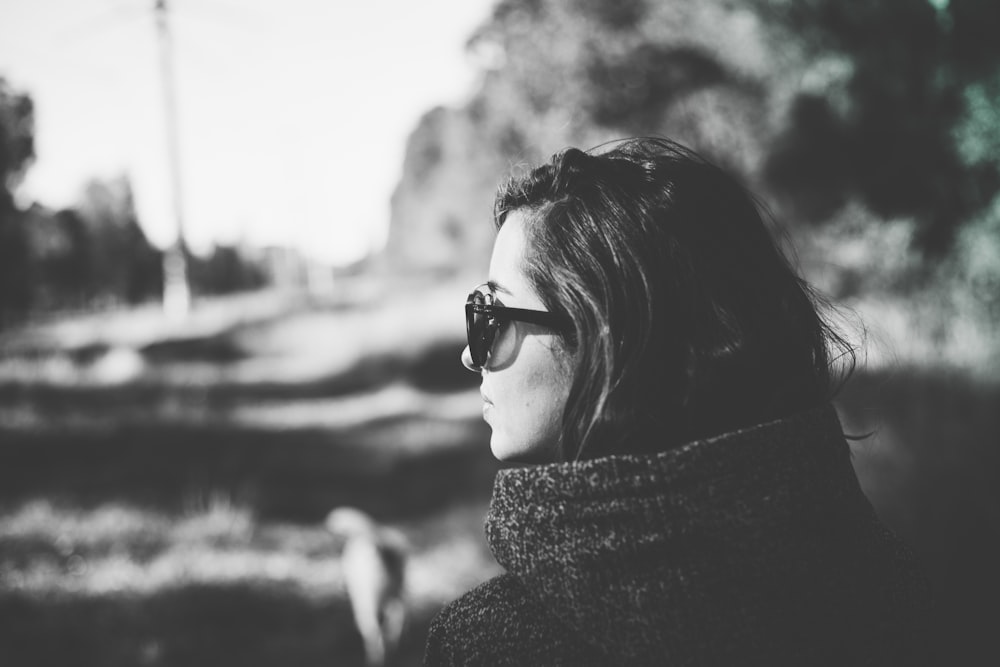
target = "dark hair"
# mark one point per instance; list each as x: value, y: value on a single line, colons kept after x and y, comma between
x: 688, y: 321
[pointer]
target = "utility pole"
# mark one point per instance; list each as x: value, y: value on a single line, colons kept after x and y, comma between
x: 176, y: 293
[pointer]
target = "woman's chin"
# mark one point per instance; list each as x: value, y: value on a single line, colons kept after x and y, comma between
x: 503, y: 449
x: 499, y: 448
x: 506, y: 451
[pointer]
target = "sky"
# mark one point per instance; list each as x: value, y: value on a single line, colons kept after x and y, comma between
x: 292, y: 114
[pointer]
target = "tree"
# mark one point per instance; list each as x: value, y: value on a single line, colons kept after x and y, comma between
x: 917, y: 77
x: 17, y: 150
x: 888, y: 104
x: 122, y: 263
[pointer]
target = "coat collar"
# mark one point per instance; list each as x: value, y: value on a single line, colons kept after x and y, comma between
x: 655, y: 540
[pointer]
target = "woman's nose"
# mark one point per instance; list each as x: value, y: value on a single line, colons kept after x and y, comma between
x: 467, y: 360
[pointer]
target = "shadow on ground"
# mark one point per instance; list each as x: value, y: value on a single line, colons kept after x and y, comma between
x: 932, y: 471
x: 291, y: 474
x: 192, y: 626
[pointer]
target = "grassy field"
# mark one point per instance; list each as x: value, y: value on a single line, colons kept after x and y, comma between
x: 162, y: 484
x: 122, y: 586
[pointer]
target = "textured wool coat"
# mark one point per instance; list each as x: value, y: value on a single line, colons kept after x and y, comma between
x: 752, y: 548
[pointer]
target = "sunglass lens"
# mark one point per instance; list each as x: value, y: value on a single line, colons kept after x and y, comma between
x: 479, y: 332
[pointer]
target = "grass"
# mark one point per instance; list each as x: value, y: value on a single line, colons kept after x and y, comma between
x: 166, y: 511
x: 118, y: 585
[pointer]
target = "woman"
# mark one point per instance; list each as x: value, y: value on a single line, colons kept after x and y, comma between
x: 689, y: 498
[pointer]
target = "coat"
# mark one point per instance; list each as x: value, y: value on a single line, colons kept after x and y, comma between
x: 755, y: 547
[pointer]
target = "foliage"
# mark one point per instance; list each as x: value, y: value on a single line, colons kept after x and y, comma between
x: 97, y: 255
x: 977, y: 133
x: 853, y: 120
x: 975, y: 268
x: 16, y: 152
x: 816, y: 102
x: 17, y: 140
x: 224, y: 270
x: 123, y: 264
x: 891, y: 143
x: 92, y: 255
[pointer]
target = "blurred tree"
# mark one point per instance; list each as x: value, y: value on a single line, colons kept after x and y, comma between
x: 890, y: 105
x: 91, y: 255
x: 123, y: 265
x: 564, y: 72
x: 17, y: 139
x: 17, y: 150
x: 892, y: 142
x: 57, y: 264
x: 441, y: 206
x: 223, y: 271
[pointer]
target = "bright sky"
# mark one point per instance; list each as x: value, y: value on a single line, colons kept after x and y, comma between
x: 293, y: 114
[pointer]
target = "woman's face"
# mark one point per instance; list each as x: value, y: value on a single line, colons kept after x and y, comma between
x: 525, y: 381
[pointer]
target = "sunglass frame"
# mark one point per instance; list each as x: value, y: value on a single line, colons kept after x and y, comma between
x: 481, y: 342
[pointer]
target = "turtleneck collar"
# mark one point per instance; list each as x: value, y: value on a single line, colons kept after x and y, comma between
x: 635, y: 553
x: 810, y: 437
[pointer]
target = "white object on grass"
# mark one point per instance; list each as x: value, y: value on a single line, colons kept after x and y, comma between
x: 374, y: 565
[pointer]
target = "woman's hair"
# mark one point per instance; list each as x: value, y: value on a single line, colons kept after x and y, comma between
x: 687, y: 320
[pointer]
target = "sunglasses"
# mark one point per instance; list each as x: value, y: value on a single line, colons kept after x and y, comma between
x: 484, y: 318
